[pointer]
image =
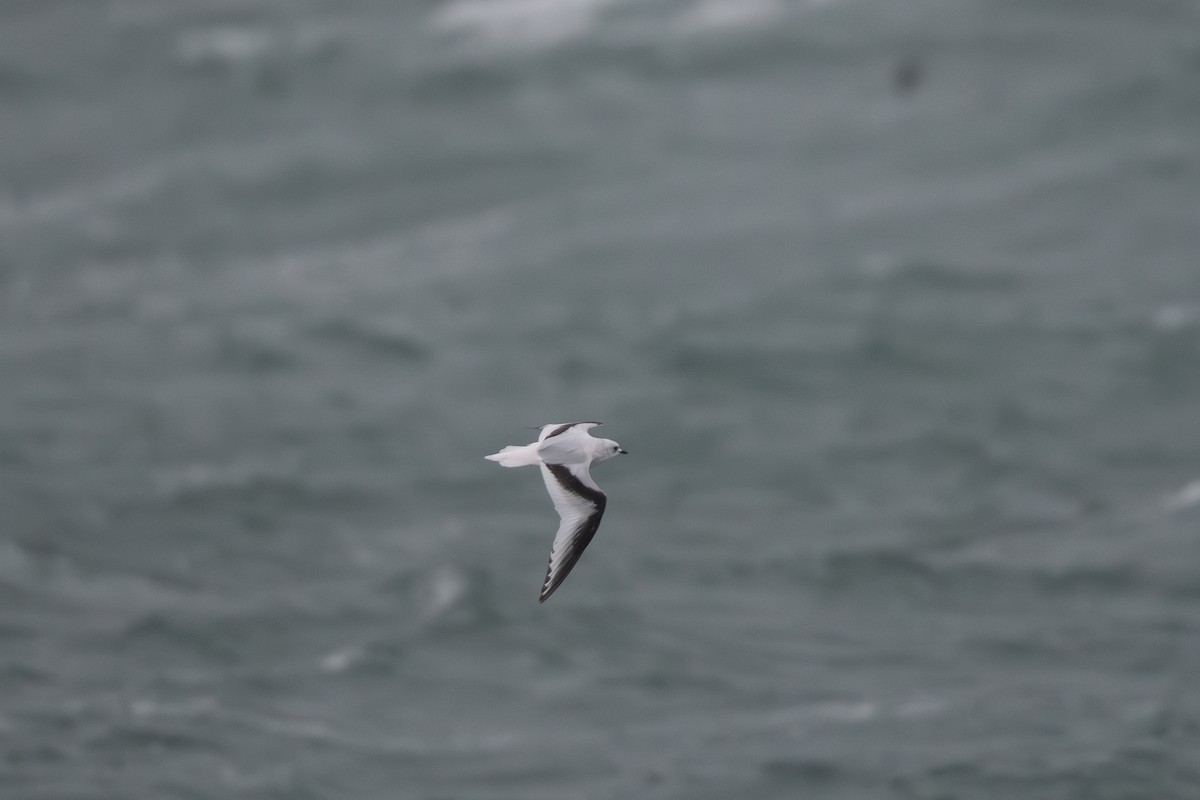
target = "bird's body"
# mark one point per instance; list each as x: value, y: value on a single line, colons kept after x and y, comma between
x: 565, y: 451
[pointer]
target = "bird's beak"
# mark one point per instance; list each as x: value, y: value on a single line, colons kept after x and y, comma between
x: 622, y: 450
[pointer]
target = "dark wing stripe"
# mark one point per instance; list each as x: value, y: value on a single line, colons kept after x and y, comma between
x: 565, y: 428
x: 583, y: 534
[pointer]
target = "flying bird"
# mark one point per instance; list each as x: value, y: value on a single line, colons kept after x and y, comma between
x: 565, y: 452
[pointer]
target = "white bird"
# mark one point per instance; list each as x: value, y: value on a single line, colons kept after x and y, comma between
x: 564, y: 452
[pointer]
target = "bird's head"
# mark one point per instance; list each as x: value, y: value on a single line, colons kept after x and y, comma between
x: 609, y: 448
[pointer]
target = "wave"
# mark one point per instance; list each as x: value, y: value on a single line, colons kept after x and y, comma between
x: 252, y: 481
x: 1186, y: 497
x: 240, y: 46
x: 446, y: 599
x: 499, y: 25
x: 926, y: 577
x: 383, y: 339
x: 710, y: 16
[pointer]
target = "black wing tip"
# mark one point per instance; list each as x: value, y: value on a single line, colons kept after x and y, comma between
x: 583, y: 534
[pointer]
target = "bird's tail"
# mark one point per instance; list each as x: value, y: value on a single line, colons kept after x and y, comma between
x: 516, y: 456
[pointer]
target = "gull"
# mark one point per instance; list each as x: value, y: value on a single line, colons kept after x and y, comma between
x: 564, y: 451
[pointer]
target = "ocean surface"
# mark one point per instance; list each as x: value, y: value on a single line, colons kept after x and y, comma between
x: 896, y: 306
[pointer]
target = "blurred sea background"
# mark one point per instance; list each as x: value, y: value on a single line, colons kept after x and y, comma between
x: 896, y: 306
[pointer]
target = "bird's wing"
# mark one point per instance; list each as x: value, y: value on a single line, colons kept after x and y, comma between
x: 580, y: 505
x: 568, y: 444
x: 559, y: 428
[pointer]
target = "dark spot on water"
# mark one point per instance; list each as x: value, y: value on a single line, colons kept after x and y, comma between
x: 18, y: 753
x: 373, y: 339
x: 653, y: 777
x: 907, y: 75
x: 157, y: 636
x: 152, y: 737
x: 255, y: 357
x: 11, y: 630
x: 271, y: 81
x: 1084, y: 580
x: 14, y: 674
x: 16, y: 82
x: 452, y: 85
x: 892, y: 570
x: 924, y: 274
x: 801, y: 771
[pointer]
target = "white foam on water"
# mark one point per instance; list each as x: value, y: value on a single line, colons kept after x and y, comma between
x: 341, y: 659
x: 860, y: 711
x: 228, y: 45
x: 1175, y: 317
x: 144, y: 708
x: 234, y: 45
x: 199, y: 477
x: 1185, y: 497
x: 447, y: 587
x: 518, y: 24
x: 716, y: 15
x: 920, y: 707
x: 809, y: 715
x: 84, y: 200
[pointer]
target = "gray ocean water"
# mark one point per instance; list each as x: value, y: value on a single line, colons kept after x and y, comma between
x: 895, y: 304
